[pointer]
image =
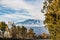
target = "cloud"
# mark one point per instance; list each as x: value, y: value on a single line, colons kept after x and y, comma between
x: 32, y: 2
x: 14, y: 17
x: 16, y: 4
x: 6, y: 10
x: 21, y: 9
x: 36, y: 11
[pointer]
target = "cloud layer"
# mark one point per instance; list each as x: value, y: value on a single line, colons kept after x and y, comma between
x: 19, y: 10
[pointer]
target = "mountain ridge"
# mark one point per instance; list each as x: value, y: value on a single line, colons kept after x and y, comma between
x: 31, y: 21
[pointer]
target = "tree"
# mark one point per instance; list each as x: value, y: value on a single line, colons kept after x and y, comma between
x: 13, y: 31
x: 3, y: 26
x: 23, y: 32
x: 7, y: 33
x: 52, y: 18
x: 18, y: 31
x: 30, y: 34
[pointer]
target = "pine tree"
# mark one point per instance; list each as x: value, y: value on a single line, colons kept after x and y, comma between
x: 52, y: 18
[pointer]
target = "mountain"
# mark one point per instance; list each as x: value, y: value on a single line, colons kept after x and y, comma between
x: 31, y: 21
x: 37, y: 29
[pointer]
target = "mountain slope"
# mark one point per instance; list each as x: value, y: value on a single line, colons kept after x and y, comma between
x: 30, y: 21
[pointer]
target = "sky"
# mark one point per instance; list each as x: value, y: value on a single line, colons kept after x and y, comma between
x: 20, y: 10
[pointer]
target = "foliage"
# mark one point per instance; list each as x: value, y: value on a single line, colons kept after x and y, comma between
x: 17, y: 32
x: 13, y: 31
x: 23, y: 32
x: 52, y: 18
x: 3, y: 26
x: 30, y: 33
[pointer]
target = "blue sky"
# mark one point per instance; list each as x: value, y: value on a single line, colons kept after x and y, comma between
x: 20, y: 10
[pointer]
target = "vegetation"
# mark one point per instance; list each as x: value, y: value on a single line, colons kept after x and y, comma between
x: 3, y: 26
x: 30, y: 34
x: 18, y: 32
x: 52, y: 18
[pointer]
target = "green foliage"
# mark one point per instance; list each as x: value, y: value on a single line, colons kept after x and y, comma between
x: 3, y: 26
x: 52, y: 18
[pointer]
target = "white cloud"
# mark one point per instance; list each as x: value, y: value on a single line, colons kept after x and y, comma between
x: 14, y: 17
x: 16, y: 4
x: 34, y: 10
